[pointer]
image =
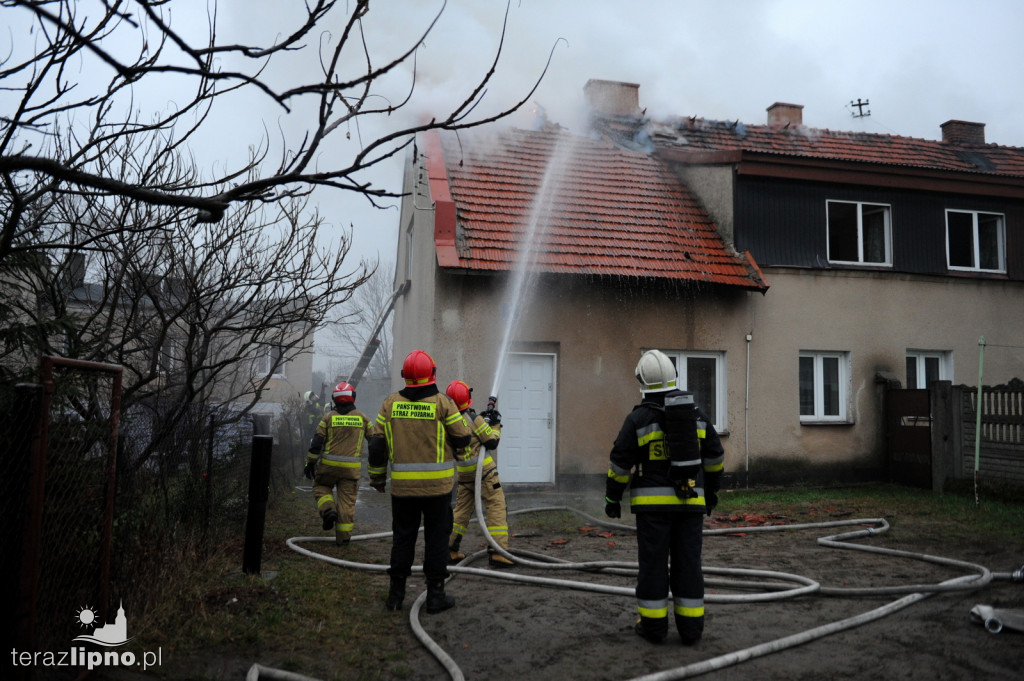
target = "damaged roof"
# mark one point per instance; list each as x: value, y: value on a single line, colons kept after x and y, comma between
x: 603, y: 210
x: 676, y: 139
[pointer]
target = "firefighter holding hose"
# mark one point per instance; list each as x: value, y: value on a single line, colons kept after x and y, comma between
x: 486, y: 429
x: 669, y: 455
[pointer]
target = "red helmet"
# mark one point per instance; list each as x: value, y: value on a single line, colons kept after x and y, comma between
x: 461, y: 394
x: 419, y: 369
x: 344, y: 393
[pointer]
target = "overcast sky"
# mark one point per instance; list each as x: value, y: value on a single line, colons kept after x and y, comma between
x: 918, y: 62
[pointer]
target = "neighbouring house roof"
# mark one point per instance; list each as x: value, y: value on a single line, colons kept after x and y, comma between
x: 607, y: 211
x: 701, y: 135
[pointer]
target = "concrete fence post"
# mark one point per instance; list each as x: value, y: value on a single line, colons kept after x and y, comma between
x: 259, y: 493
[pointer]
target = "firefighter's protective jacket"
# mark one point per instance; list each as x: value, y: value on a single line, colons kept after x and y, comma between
x: 338, y: 441
x: 485, y: 436
x: 642, y: 444
x: 412, y: 433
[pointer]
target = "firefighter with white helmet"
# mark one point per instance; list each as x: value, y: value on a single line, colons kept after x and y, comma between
x: 335, y: 461
x: 415, y: 434
x: 314, y: 413
x: 486, y: 433
x: 670, y: 457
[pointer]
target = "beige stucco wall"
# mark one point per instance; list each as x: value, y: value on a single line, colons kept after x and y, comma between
x: 598, y: 329
x: 876, y: 317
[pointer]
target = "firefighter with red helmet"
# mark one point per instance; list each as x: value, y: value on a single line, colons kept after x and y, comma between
x: 677, y: 457
x: 335, y: 461
x: 486, y: 433
x: 415, y: 434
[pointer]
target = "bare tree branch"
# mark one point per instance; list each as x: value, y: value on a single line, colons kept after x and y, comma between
x: 48, y: 144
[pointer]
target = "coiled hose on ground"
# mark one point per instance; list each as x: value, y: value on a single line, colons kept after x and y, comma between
x: 774, y: 585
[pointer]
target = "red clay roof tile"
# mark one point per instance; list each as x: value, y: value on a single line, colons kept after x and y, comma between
x: 611, y: 211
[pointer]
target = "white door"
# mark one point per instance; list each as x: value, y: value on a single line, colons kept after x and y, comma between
x: 526, y: 401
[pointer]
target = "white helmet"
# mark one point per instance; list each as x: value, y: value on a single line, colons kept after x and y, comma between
x: 655, y: 372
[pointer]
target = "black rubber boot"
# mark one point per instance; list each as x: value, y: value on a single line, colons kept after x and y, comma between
x: 396, y: 594
x: 437, y: 600
x: 330, y: 518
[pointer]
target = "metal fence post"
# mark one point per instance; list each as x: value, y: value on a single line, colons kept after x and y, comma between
x: 23, y: 507
x: 259, y: 492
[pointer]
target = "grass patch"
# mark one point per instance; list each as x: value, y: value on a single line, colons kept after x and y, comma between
x: 949, y: 517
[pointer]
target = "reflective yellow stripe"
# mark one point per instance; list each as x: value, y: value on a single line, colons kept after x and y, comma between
x: 421, y: 475
x: 389, y: 435
x: 470, y: 465
x: 689, y: 607
x: 347, y: 527
x: 665, y: 500
x: 325, y: 499
x: 658, y: 500
x: 618, y: 478
x: 497, y: 530
x: 342, y: 464
x: 439, y: 454
x: 653, y: 613
x: 645, y: 436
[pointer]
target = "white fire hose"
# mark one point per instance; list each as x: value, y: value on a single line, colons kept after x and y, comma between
x: 774, y: 585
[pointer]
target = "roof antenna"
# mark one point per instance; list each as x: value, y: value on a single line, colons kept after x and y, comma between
x: 860, y: 113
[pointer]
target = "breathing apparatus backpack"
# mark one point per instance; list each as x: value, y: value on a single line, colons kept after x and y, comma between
x: 683, y: 443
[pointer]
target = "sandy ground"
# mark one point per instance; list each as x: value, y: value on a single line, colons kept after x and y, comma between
x: 509, y: 630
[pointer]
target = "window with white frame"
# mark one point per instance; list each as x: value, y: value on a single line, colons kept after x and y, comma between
x: 859, y: 233
x: 926, y: 366
x: 270, y: 359
x: 824, y: 386
x: 703, y: 374
x: 975, y: 241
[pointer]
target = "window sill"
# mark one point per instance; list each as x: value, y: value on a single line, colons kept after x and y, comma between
x: 827, y: 423
x: 869, y: 266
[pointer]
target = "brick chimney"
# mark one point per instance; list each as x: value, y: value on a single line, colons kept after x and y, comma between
x: 780, y: 114
x: 963, y: 133
x: 613, y: 98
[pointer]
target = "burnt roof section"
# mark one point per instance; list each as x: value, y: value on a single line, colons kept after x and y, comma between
x: 682, y: 137
x: 611, y: 211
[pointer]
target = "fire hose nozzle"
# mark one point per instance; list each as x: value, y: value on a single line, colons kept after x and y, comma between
x: 491, y: 401
x: 1018, y: 575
